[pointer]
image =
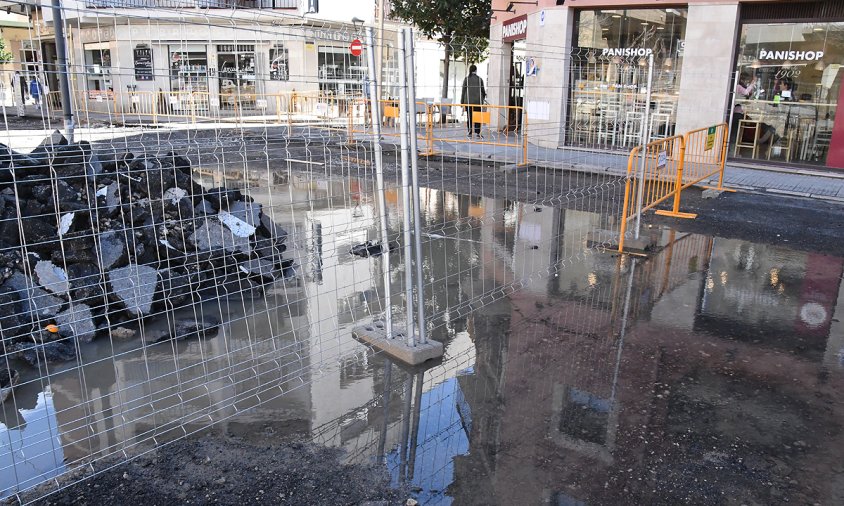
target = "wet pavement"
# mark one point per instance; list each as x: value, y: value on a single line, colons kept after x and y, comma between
x: 709, y: 373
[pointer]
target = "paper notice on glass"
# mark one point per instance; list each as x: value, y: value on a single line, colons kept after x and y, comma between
x: 538, y: 110
x: 786, y: 93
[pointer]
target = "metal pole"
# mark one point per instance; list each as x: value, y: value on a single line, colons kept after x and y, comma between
x: 623, y: 332
x: 405, y: 428
x: 643, y: 154
x: 405, y: 186
x: 414, y: 433
x: 381, y: 10
x: 379, y: 183
x: 61, y: 57
x: 388, y: 378
x: 414, y: 166
x: 732, y: 111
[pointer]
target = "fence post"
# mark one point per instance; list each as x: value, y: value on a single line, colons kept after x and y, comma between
x: 646, y: 135
x: 379, y: 182
x: 524, y: 137
x: 405, y: 103
x: 193, y: 107
x: 417, y: 220
x: 63, y: 74
x: 626, y: 206
x: 724, y: 149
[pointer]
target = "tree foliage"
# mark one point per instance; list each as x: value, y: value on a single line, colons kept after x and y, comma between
x: 461, y: 26
x: 5, y: 55
x: 446, y: 21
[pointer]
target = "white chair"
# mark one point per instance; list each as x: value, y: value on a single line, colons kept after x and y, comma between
x: 632, y: 128
x: 660, y: 120
x: 608, y: 125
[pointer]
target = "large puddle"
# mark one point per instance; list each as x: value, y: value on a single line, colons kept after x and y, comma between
x: 711, y: 372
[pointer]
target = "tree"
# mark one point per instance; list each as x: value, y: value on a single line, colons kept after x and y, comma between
x: 5, y: 54
x: 461, y: 26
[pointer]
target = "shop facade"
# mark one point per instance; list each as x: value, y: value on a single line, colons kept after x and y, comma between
x: 769, y: 69
x: 211, y: 69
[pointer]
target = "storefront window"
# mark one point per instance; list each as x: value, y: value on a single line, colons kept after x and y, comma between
x: 340, y: 73
x: 610, y: 72
x: 189, y: 69
x: 236, y: 69
x: 98, y: 69
x: 787, y: 92
x: 279, y: 63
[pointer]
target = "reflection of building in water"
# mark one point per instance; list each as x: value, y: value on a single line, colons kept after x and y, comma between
x: 30, y: 452
x: 783, y: 298
x: 573, y: 417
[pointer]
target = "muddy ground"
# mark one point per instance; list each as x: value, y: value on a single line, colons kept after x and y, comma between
x: 213, y: 469
x: 224, y: 470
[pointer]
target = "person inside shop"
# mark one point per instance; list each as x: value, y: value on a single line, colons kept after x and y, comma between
x: 786, y: 91
x: 747, y: 85
x: 473, y: 93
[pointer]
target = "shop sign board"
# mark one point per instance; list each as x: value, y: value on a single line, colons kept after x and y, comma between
x: 514, y: 29
x: 143, y: 63
x: 710, y: 138
x: 765, y: 54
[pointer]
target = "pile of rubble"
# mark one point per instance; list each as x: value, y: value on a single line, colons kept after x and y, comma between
x: 90, y: 245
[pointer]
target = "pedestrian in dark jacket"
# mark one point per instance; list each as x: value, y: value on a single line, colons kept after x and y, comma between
x: 473, y: 93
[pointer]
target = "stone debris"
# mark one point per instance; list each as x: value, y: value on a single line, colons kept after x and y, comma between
x: 52, y: 277
x: 77, y: 321
x: 93, y: 243
x: 65, y: 223
x: 238, y: 227
x: 134, y: 286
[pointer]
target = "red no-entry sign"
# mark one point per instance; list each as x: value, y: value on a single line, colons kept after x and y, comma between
x: 356, y: 48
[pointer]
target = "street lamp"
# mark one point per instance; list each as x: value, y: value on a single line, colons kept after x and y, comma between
x: 510, y: 7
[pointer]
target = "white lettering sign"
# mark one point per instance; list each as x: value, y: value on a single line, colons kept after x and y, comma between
x: 764, y: 54
x: 627, y: 51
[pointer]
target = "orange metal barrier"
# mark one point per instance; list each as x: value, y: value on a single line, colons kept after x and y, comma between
x: 670, y: 166
x: 663, y: 160
x: 706, y: 155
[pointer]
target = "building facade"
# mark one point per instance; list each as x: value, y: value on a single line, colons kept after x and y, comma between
x: 580, y: 69
x: 207, y: 59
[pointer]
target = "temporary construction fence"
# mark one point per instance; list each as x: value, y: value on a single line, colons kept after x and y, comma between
x: 196, y: 254
x: 664, y: 168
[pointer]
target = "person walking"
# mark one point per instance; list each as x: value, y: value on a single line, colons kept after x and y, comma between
x: 35, y: 92
x: 473, y: 93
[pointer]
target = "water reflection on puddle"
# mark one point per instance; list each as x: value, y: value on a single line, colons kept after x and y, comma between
x: 711, y: 369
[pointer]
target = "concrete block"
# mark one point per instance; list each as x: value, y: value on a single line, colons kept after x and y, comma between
x: 643, y: 244
x: 397, y: 347
x: 711, y: 193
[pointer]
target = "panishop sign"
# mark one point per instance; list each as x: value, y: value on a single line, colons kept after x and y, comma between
x: 515, y: 29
